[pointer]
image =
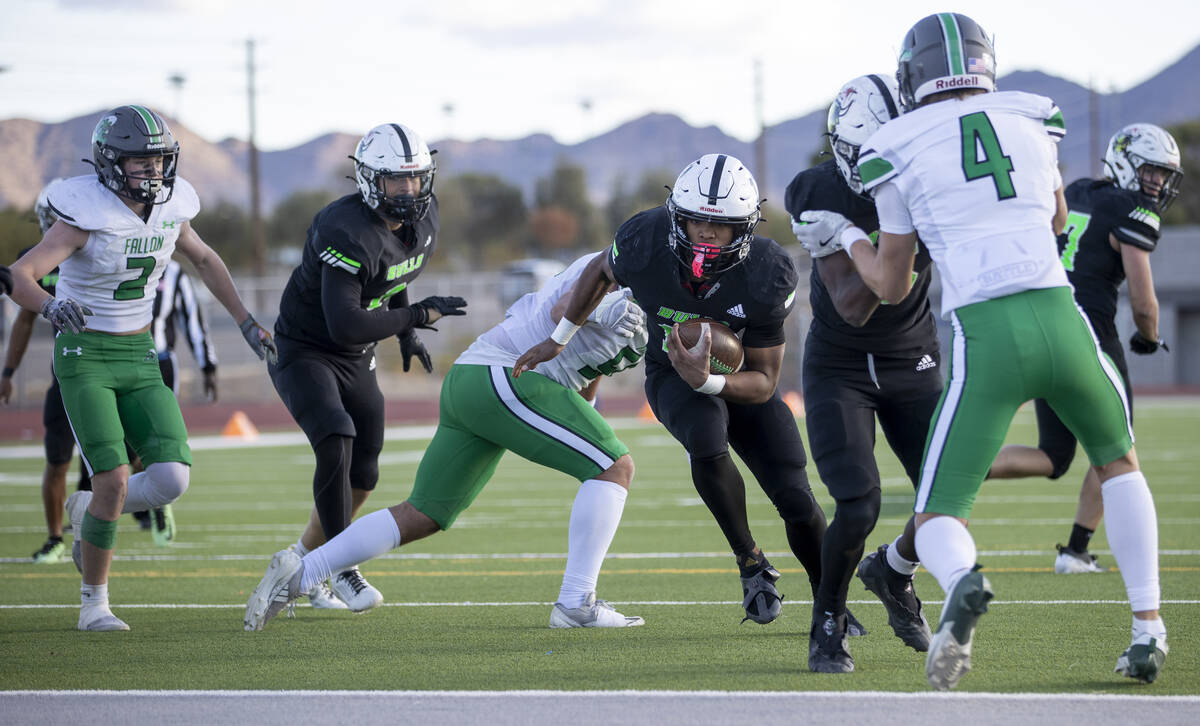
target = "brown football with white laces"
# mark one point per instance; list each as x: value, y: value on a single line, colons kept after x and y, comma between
x: 726, y: 355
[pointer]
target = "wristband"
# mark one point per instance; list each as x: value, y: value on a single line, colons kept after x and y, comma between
x: 563, y: 332
x: 8, y: 372
x: 850, y: 235
x: 713, y: 385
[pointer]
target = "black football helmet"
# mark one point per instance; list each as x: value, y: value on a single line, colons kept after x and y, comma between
x: 132, y: 131
x: 944, y: 52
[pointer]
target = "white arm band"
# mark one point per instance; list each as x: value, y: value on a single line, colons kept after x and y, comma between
x: 713, y: 385
x: 564, y: 331
x: 894, y: 217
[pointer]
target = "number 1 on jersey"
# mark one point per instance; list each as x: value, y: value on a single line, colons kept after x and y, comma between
x: 977, y: 132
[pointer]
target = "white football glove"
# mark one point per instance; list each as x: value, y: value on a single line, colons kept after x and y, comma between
x: 820, y: 232
x: 619, y: 313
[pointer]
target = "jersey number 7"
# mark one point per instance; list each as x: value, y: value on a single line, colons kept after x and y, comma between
x: 979, y: 135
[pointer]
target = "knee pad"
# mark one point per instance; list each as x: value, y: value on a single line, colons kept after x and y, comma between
x: 167, y: 481
x: 795, y: 503
x: 858, y: 516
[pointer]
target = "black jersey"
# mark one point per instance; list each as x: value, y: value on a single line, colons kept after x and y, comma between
x: 907, y: 329
x: 1098, y: 208
x: 349, y: 236
x: 754, y: 296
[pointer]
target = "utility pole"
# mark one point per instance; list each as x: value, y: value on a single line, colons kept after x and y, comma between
x: 257, y: 234
x: 177, y: 80
x: 1094, y: 140
x: 760, y: 144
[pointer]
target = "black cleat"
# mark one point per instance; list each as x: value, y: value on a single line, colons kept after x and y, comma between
x: 896, y: 593
x: 854, y: 628
x: 761, y: 601
x: 827, y: 648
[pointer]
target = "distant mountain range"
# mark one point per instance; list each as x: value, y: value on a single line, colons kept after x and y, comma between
x: 36, y: 152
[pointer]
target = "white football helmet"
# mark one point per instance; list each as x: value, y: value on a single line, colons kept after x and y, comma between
x: 1137, y: 145
x: 45, y: 214
x: 714, y: 188
x: 394, y: 150
x: 860, y: 108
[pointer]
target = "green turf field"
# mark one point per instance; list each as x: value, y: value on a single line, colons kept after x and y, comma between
x: 468, y: 609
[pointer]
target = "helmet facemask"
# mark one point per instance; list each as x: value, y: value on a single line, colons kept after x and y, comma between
x: 719, y: 189
x: 394, y: 151
x: 135, y: 132
x: 408, y: 208
x: 707, y: 260
x: 1136, y: 147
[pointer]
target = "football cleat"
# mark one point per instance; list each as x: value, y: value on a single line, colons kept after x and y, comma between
x: 321, y: 597
x: 354, y: 590
x: 854, y: 628
x: 1070, y: 562
x: 77, y: 505
x: 1143, y: 659
x: 99, y: 619
x: 828, y: 650
x: 592, y: 613
x: 52, y: 551
x: 162, y: 525
x: 278, y: 587
x: 949, y: 656
x: 899, y: 598
x: 761, y: 600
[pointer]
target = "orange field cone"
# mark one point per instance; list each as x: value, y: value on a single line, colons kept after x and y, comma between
x: 646, y: 414
x: 239, y: 426
x: 795, y: 402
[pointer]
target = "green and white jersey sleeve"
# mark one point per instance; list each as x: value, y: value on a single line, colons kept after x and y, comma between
x: 977, y: 177
x: 117, y: 271
x: 593, y: 351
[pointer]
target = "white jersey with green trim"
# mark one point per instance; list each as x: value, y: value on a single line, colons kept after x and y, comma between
x: 977, y: 176
x: 593, y: 351
x: 116, y: 272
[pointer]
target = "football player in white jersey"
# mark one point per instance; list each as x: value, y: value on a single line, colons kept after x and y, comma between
x: 484, y: 412
x: 115, y: 233
x: 974, y: 173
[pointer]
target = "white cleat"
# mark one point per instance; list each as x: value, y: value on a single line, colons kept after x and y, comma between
x: 77, y: 505
x: 279, y: 586
x: 1070, y: 562
x: 354, y: 590
x: 592, y: 613
x: 99, y: 619
x: 321, y: 597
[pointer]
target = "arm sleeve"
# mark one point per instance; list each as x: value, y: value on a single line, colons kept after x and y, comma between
x: 893, y: 213
x: 348, y: 322
x: 192, y: 320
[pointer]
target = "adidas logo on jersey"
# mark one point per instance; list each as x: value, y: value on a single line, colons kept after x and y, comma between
x: 926, y: 363
x: 736, y: 311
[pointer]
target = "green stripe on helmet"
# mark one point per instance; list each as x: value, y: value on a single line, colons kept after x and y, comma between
x: 954, y: 46
x: 152, y: 127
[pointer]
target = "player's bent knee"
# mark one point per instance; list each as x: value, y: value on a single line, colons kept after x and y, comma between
x: 795, y: 504
x: 859, y: 515
x: 168, y: 481
x: 1060, y: 459
x: 620, y: 473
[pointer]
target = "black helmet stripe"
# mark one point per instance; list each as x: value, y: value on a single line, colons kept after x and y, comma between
x: 956, y: 64
x: 714, y: 188
x: 408, y: 155
x: 887, y: 95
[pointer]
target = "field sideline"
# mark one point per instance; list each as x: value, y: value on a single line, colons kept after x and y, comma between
x: 467, y: 610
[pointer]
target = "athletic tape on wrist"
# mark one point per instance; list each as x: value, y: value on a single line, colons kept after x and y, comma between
x: 712, y: 385
x: 850, y: 235
x: 563, y: 332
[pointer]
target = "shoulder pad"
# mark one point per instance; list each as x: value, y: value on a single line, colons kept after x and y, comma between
x: 804, y: 192
x: 773, y: 273
x: 83, y: 202
x: 185, y: 204
x: 335, y: 244
x: 635, y: 239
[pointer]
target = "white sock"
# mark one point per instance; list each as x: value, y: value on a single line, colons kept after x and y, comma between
x: 594, y: 519
x: 93, y: 595
x: 299, y: 548
x: 946, y: 549
x: 1132, y: 528
x: 367, y: 537
x: 898, y: 563
x: 159, y: 484
x: 1153, y: 628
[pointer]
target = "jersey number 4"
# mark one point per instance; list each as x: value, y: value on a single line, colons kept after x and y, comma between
x: 978, y: 136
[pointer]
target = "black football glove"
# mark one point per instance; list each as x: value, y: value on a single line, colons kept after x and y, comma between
x: 431, y: 309
x: 6, y: 283
x: 259, y: 340
x: 1142, y: 345
x: 411, y: 345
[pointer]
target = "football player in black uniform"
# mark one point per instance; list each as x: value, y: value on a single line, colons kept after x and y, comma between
x: 348, y: 293
x: 863, y: 359
x: 697, y: 256
x: 1112, y: 227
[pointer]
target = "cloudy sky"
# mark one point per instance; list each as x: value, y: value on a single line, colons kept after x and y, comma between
x: 485, y: 68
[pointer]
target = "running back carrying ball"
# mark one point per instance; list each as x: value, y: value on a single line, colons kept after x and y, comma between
x: 726, y: 354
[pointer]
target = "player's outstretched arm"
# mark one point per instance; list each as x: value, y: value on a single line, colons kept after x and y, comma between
x: 212, y: 270
x: 589, y: 290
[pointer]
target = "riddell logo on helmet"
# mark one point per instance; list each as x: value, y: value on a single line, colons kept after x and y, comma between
x: 713, y: 210
x: 960, y: 82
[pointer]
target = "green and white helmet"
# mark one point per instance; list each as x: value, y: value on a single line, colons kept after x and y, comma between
x: 130, y: 131
x: 944, y: 52
x: 1139, y: 145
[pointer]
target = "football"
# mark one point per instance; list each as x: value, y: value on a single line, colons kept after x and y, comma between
x: 726, y: 354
